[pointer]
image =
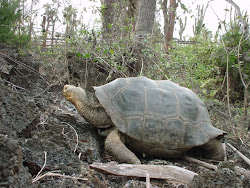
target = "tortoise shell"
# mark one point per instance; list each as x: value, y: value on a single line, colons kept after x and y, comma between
x: 158, y: 112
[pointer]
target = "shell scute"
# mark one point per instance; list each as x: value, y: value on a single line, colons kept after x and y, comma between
x: 165, y: 104
x: 157, y: 112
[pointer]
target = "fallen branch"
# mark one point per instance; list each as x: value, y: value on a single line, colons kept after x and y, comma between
x: 52, y: 174
x: 77, y: 140
x: 225, y: 151
x: 240, y: 154
x: 201, y: 163
x: 170, y: 173
x: 147, y: 181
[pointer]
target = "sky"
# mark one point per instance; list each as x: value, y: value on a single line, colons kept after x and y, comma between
x: 215, y: 8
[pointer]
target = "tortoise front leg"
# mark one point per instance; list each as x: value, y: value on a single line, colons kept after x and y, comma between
x: 115, y: 145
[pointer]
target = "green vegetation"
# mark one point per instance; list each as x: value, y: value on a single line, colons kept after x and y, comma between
x: 10, y: 16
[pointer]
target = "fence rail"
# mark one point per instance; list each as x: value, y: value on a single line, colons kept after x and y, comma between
x: 56, y: 41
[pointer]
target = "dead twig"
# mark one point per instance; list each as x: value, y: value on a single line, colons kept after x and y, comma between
x: 228, y: 97
x: 240, y: 154
x: 201, y: 163
x: 44, y: 164
x: 52, y: 174
x: 39, y: 176
x: 225, y: 151
x: 142, y: 63
x: 160, y: 70
x: 77, y: 138
x: 18, y: 87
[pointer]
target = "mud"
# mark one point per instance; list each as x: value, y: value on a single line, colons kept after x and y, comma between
x: 40, y: 132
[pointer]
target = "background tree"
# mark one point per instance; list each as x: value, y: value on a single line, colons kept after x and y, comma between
x: 33, y: 2
x: 53, y: 21
x: 182, y: 27
x: 132, y: 12
x: 124, y: 17
x: 240, y: 17
x: 118, y: 18
x: 145, y: 19
x: 199, y: 20
x: 49, y: 18
x: 9, y: 16
x: 169, y: 14
x: 143, y: 30
x: 70, y: 16
x: 107, y: 13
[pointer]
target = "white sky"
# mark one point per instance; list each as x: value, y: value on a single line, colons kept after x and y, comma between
x: 211, y: 21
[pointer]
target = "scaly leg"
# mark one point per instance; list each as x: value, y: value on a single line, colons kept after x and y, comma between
x: 115, y: 145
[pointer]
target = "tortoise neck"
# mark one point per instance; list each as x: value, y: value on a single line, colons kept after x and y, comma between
x: 93, y: 113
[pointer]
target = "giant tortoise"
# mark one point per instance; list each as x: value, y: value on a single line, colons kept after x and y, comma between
x: 154, y: 117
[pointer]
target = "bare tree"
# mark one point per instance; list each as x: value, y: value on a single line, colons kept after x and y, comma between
x: 46, y: 23
x: 54, y: 19
x: 49, y: 17
x: 241, y: 19
x: 182, y: 27
x: 70, y: 15
x: 169, y: 14
x: 199, y: 21
x: 31, y: 19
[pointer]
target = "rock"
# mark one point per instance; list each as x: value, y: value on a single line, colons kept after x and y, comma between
x: 21, y: 71
x: 17, y: 114
x: 13, y: 173
x: 5, y: 66
x: 222, y: 178
x: 58, y: 137
x: 85, y: 73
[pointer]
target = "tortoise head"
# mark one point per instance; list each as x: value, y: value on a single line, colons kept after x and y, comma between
x: 92, y: 113
x: 75, y: 95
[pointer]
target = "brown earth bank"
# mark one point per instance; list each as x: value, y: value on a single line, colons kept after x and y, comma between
x: 45, y: 143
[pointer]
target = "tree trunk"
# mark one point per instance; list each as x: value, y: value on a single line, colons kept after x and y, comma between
x: 108, y: 18
x: 169, y: 21
x: 44, y: 31
x: 197, y: 28
x: 132, y: 11
x: 145, y: 18
x: 182, y: 27
x: 53, y: 33
x: 31, y: 21
x: 54, y: 18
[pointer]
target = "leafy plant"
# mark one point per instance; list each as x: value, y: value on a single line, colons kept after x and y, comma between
x: 196, y: 62
x: 9, y: 17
